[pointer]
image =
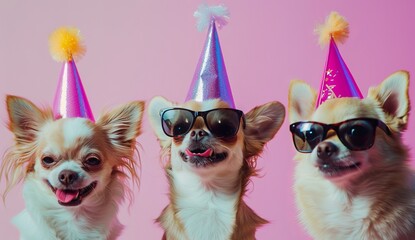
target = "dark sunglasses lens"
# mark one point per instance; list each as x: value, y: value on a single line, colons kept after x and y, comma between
x: 176, y: 122
x: 223, y: 122
x: 306, y: 136
x: 357, y: 134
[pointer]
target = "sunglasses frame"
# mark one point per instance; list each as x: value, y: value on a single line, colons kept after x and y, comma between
x: 336, y: 126
x: 203, y: 114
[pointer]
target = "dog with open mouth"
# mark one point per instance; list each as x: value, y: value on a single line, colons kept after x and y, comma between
x: 352, y: 179
x: 210, y: 148
x: 211, y: 151
x: 74, y: 170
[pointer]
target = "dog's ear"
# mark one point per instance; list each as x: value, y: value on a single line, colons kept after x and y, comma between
x: 123, y: 124
x: 393, y: 96
x: 156, y: 105
x: 301, y: 101
x: 262, y: 123
x: 25, y: 119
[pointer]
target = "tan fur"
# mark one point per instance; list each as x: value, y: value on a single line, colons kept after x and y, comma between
x: 262, y: 123
x: 19, y: 161
x: 247, y: 221
x: 384, y: 187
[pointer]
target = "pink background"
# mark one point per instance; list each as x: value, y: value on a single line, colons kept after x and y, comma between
x: 139, y: 49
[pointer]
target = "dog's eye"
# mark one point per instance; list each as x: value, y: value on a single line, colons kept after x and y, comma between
x: 48, y: 161
x: 92, y: 161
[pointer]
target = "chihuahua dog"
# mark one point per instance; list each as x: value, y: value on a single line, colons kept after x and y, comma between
x: 211, y: 151
x: 74, y: 170
x: 352, y: 179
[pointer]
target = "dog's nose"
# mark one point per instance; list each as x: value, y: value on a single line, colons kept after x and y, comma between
x: 325, y: 150
x: 67, y: 177
x: 198, y: 134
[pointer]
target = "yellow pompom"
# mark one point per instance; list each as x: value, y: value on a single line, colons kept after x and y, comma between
x: 65, y: 44
x: 335, y: 26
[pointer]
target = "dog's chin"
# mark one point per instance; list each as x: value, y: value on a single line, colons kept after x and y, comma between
x: 203, y: 158
x: 340, y: 170
x: 72, y: 197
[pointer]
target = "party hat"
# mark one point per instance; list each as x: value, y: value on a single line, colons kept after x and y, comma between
x: 210, y: 79
x: 70, y: 98
x: 337, y: 81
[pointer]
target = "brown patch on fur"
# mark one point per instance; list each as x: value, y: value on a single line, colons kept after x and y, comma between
x: 229, y: 141
x: 261, y: 127
x: 247, y: 221
x: 389, y: 185
x: 178, y: 140
x: 30, y: 167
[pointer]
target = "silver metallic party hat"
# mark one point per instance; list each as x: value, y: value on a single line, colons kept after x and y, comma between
x: 210, y: 80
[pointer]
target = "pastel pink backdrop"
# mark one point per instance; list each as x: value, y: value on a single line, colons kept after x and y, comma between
x: 140, y: 49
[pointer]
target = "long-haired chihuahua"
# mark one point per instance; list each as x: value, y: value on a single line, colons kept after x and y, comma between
x: 74, y: 170
x: 211, y: 151
x: 352, y: 177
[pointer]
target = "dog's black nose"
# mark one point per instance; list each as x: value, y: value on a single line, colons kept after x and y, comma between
x: 198, y: 134
x: 325, y: 150
x: 67, y: 177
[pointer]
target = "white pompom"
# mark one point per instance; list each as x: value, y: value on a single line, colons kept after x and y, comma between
x: 205, y: 14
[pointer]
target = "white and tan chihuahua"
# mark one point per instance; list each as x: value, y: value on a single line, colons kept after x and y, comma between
x: 352, y: 179
x: 211, y: 151
x: 74, y: 170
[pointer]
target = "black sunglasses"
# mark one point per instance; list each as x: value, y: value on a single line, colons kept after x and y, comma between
x: 356, y: 134
x: 221, y: 122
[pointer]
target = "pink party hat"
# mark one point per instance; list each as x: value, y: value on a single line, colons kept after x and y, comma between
x: 70, y: 98
x: 337, y: 81
x: 210, y: 79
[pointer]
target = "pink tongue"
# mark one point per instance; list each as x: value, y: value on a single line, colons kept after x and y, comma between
x: 66, y: 196
x: 206, y: 153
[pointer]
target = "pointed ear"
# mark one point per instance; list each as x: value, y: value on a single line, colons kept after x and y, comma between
x: 262, y: 123
x: 123, y: 125
x: 25, y: 119
x: 301, y: 101
x: 156, y: 105
x: 393, y: 96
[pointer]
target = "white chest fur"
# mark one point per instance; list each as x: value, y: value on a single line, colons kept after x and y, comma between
x: 343, y: 218
x: 206, y: 213
x: 45, y: 219
x: 328, y: 212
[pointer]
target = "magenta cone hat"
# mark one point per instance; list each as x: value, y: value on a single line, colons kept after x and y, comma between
x: 70, y: 98
x: 337, y: 81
